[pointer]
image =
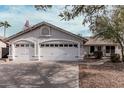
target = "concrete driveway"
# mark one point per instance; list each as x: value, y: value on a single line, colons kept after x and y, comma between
x: 39, y: 75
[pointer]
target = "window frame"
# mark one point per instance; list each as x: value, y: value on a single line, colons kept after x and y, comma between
x: 41, y: 33
x: 17, y: 45
x: 22, y: 45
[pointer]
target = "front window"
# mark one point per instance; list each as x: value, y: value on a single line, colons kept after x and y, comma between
x: 22, y: 45
x: 42, y: 45
x: 110, y: 49
x: 51, y: 45
x: 17, y: 45
x: 65, y: 45
x: 75, y: 45
x: 47, y: 45
x: 113, y: 49
x: 56, y: 45
x: 70, y: 45
x: 27, y: 45
x: 92, y: 49
x: 107, y: 49
x: 61, y: 45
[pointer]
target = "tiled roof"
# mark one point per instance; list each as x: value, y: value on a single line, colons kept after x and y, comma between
x: 99, y: 41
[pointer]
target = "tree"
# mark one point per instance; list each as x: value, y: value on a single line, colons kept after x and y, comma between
x: 42, y: 7
x: 5, y: 24
x: 111, y: 27
x: 89, y: 12
x: 72, y: 11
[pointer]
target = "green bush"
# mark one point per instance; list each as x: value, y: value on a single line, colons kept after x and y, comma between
x: 98, y: 54
x: 115, y: 58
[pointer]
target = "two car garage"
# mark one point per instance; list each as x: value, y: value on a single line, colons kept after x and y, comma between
x: 54, y: 51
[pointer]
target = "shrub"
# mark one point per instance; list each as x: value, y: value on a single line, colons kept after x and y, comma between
x: 98, y: 54
x: 115, y: 58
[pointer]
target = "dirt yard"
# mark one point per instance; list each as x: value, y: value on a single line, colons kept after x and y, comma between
x: 107, y: 75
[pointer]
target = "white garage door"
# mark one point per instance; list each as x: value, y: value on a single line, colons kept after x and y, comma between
x: 59, y: 52
x: 24, y: 51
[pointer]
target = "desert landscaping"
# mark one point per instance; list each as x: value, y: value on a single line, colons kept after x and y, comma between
x: 107, y: 75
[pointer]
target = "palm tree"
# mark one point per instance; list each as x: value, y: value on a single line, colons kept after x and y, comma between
x: 5, y: 24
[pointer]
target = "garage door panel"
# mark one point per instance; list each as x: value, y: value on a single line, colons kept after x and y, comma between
x: 58, y: 53
x: 24, y: 53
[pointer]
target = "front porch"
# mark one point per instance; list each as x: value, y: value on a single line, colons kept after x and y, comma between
x: 106, y: 50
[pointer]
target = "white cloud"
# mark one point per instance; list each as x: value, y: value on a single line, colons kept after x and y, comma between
x: 17, y: 15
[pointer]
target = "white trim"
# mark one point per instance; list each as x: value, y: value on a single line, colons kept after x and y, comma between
x: 46, y: 27
x: 79, y: 55
x: 59, y: 40
x: 38, y: 51
x: 27, y: 40
x: 13, y: 51
x: 35, y: 49
x: 45, y: 35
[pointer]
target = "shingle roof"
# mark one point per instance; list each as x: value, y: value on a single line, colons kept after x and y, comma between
x: 99, y: 41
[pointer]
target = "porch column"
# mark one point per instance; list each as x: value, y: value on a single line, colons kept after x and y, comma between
x: 10, y: 48
x: 104, y: 50
x: 78, y: 50
x: 35, y: 49
x: 88, y: 50
x: 13, y: 51
x: 38, y: 51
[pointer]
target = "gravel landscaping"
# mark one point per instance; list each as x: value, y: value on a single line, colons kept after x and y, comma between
x: 107, y: 75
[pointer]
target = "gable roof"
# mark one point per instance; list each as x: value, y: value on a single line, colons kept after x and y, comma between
x: 40, y: 24
x: 99, y: 41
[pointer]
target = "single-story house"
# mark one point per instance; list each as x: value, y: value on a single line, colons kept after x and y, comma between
x: 45, y: 42
x: 98, y: 44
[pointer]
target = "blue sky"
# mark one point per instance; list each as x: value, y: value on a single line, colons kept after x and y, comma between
x: 17, y: 15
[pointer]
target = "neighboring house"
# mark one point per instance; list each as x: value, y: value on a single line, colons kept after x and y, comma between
x: 3, y: 47
x: 98, y: 44
x: 45, y: 42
